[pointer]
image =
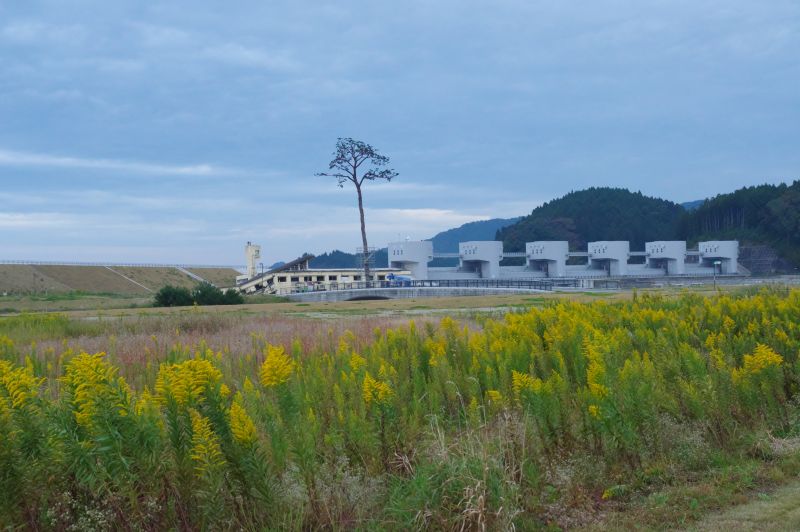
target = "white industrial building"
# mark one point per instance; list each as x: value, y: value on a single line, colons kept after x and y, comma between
x: 610, y: 256
x: 549, y: 257
x: 552, y: 259
x: 481, y: 257
x: 669, y: 256
x: 723, y: 253
x: 413, y: 256
x: 296, y: 276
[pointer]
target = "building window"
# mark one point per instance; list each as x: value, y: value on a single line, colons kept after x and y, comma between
x: 307, y: 278
x: 381, y: 277
x: 331, y: 277
x: 320, y: 278
x: 295, y: 279
x: 356, y: 277
x: 282, y: 279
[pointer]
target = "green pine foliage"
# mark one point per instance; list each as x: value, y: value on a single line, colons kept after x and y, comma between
x: 768, y: 214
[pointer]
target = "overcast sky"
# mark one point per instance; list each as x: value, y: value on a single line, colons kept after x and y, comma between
x: 176, y: 131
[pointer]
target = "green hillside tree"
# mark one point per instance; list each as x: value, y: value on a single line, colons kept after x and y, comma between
x: 597, y: 213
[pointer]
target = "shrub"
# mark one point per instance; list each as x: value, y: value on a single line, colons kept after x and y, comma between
x: 232, y: 297
x: 174, y: 296
x: 208, y: 294
x: 202, y: 294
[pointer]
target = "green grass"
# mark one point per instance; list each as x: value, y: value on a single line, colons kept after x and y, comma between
x: 77, y: 294
x: 264, y: 299
x: 738, y: 489
x: 28, y: 328
x: 65, y: 301
x: 536, y: 300
x: 776, y: 510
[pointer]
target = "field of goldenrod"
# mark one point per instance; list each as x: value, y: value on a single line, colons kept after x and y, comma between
x: 530, y: 420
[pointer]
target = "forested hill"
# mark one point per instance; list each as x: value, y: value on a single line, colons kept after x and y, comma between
x: 764, y: 214
x: 597, y: 214
x: 341, y: 259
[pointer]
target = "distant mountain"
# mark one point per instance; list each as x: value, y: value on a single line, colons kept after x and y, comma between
x: 447, y: 241
x: 692, y: 205
x: 342, y: 259
x: 334, y: 259
x: 596, y: 214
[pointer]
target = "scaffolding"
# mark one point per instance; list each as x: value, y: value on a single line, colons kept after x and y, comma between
x: 366, y: 257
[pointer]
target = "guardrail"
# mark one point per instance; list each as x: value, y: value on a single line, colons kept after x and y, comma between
x: 118, y: 264
x: 441, y: 283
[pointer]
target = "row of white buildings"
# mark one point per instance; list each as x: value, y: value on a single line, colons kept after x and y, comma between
x: 482, y: 260
x: 553, y: 259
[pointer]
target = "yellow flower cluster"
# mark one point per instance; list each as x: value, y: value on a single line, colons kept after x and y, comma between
x: 375, y: 391
x: 596, y: 371
x: 93, y: 386
x: 495, y: 397
x: 763, y: 358
x: 186, y: 382
x: 357, y: 362
x: 20, y: 384
x: 437, y: 350
x: 523, y: 383
x: 146, y: 404
x: 206, y: 451
x: 277, y: 367
x: 242, y: 426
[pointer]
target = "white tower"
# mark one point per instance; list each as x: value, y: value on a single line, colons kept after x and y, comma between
x: 548, y: 256
x: 669, y: 255
x: 411, y: 255
x: 721, y: 254
x: 252, y: 253
x: 610, y: 255
x: 481, y: 256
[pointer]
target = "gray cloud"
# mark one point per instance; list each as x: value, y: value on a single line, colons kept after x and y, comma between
x: 486, y: 109
x: 26, y: 159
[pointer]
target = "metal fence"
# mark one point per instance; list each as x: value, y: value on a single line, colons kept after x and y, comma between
x: 528, y: 284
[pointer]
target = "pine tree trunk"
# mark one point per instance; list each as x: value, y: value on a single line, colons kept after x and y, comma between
x: 363, y: 237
